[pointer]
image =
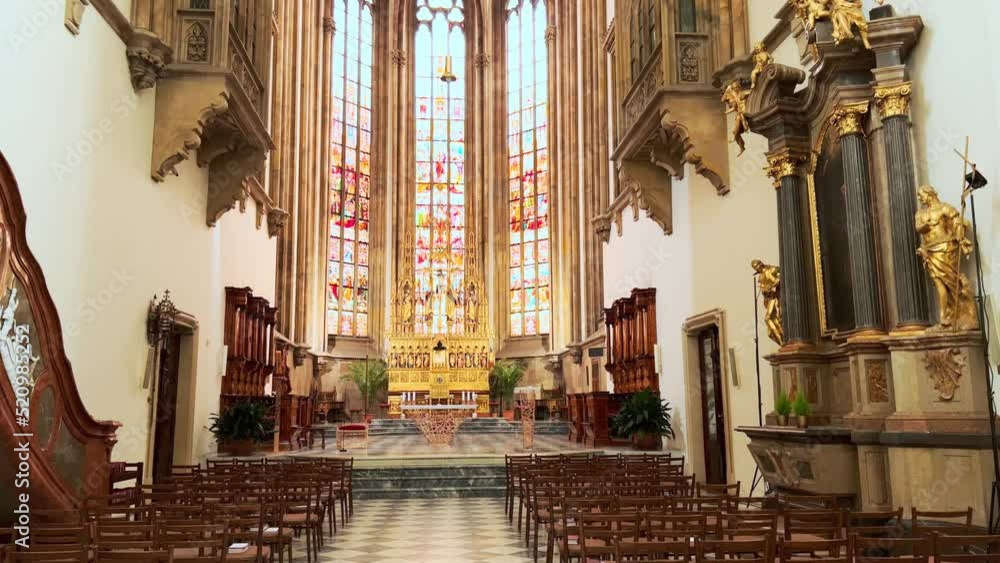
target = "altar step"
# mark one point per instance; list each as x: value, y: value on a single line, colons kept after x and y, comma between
x: 390, y: 427
x: 442, y: 481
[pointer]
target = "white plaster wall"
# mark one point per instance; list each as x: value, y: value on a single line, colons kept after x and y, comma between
x: 642, y: 256
x: 106, y: 236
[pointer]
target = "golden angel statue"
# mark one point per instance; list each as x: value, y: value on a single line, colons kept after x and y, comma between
x: 735, y: 98
x: 761, y: 60
x: 845, y: 15
x: 943, y: 245
x: 769, y: 281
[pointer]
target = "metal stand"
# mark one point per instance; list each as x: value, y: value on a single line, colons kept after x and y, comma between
x: 758, y: 477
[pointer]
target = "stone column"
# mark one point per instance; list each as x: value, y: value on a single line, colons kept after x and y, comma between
x: 860, y: 218
x: 911, y: 283
x: 786, y: 171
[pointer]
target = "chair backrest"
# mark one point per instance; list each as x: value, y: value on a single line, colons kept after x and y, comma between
x: 823, y: 524
x: 746, y: 551
x: 55, y: 537
x: 965, y: 549
x: 193, y: 543
x: 815, y: 551
x: 876, y: 523
x: 878, y: 550
x: 707, y: 490
x: 134, y: 556
x: 651, y: 551
x: 809, y: 502
x: 74, y: 555
x: 598, y: 533
x: 689, y: 524
x: 750, y: 525
x: 951, y: 522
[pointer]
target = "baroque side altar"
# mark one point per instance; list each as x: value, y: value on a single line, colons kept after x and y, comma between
x: 439, y: 351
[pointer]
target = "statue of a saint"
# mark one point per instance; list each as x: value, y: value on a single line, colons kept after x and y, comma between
x: 735, y: 98
x: 845, y: 15
x: 943, y: 245
x: 761, y: 60
x: 769, y: 281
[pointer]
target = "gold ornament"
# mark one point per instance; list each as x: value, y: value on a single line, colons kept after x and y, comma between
x: 735, y: 98
x: 893, y: 101
x: 943, y: 244
x: 945, y: 369
x: 848, y: 118
x: 781, y: 165
x: 845, y: 15
x: 769, y: 281
x: 761, y: 60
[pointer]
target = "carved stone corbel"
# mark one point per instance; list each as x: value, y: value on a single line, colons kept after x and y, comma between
x: 276, y: 220
x: 147, y: 58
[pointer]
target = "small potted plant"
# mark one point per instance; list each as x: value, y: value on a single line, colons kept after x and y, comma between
x: 504, y: 377
x: 241, y: 426
x: 802, y: 410
x: 645, y: 419
x: 782, y: 408
x: 371, y: 379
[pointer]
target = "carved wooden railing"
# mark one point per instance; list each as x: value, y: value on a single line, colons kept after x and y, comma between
x: 53, y: 449
x: 631, y: 342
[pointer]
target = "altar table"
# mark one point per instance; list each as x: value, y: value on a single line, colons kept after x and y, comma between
x: 439, y: 423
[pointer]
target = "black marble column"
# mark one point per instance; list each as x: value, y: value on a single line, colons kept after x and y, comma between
x: 861, y: 233
x: 909, y: 276
x: 794, y: 256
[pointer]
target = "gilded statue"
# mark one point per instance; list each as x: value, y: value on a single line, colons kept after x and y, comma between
x: 761, y: 60
x: 735, y: 98
x: 769, y: 281
x: 944, y: 242
x: 845, y: 15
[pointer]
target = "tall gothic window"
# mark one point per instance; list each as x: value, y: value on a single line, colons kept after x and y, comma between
x: 528, y: 168
x: 439, y: 265
x: 351, y: 166
x: 687, y: 21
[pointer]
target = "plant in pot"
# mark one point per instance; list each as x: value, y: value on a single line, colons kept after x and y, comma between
x: 241, y: 425
x: 504, y: 377
x: 645, y: 419
x: 782, y: 408
x: 372, y: 379
x: 802, y: 410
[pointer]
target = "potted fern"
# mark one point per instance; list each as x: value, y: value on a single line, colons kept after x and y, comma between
x: 504, y: 377
x: 645, y: 419
x: 782, y: 408
x: 802, y: 410
x: 239, y: 427
x: 371, y: 379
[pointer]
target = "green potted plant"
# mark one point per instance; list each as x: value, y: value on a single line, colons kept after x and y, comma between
x: 371, y: 378
x: 645, y: 419
x: 504, y: 377
x: 241, y: 425
x: 802, y: 410
x: 782, y: 408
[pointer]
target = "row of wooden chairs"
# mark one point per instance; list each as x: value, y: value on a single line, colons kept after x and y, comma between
x: 199, y: 513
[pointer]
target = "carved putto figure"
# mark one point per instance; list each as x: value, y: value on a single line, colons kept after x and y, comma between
x: 943, y: 245
x: 769, y: 281
x: 761, y: 60
x: 735, y: 98
x: 845, y: 15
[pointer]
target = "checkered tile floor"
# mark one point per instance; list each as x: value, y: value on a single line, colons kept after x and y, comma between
x: 426, y: 530
x: 464, y: 444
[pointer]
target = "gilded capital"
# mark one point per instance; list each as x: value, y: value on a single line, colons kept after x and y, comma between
x: 849, y: 118
x: 781, y: 165
x: 893, y: 101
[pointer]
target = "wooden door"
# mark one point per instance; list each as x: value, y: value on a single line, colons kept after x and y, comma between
x: 166, y: 408
x: 713, y: 413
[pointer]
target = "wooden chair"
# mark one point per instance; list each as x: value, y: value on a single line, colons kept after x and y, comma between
x: 817, y: 551
x: 809, y: 502
x: 741, y: 504
x: 965, y: 549
x: 813, y: 525
x: 245, y: 524
x: 134, y: 557
x: 948, y: 522
x: 74, y: 555
x: 707, y: 490
x: 302, y: 505
x: 598, y: 533
x: 879, y: 550
x: 56, y: 538
x: 193, y: 543
x: 750, y: 525
x: 875, y: 523
x: 747, y: 551
x: 654, y: 551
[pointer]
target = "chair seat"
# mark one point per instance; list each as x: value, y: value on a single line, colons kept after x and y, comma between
x: 299, y: 519
x: 279, y: 534
x: 250, y: 554
x: 188, y: 553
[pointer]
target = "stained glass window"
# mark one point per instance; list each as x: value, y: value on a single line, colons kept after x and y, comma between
x: 439, y: 264
x: 528, y: 168
x: 350, y: 163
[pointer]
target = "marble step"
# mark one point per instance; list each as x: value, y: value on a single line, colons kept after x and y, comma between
x: 430, y: 482
x: 471, y: 426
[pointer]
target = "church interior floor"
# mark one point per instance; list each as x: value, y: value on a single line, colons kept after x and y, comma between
x: 426, y: 530
x: 464, y: 445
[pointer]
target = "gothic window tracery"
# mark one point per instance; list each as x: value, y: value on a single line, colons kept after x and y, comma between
x: 351, y: 169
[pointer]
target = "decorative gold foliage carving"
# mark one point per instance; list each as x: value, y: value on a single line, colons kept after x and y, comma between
x: 945, y: 369
x: 893, y: 101
x: 877, y: 380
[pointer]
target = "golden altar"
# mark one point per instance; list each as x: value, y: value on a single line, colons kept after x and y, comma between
x: 439, y: 350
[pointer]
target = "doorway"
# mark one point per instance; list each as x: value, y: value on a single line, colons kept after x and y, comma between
x: 166, y: 407
x: 712, y: 406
